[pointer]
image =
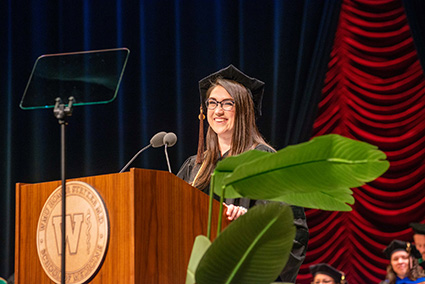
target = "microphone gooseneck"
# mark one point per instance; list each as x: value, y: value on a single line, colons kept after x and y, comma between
x: 169, y: 140
x: 156, y: 141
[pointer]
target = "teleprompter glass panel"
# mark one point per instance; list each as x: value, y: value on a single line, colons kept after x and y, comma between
x: 91, y: 77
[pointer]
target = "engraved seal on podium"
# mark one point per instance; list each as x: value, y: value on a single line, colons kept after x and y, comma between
x: 87, y: 233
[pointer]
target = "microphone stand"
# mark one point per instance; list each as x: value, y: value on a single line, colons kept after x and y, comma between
x: 61, y: 112
x: 166, y: 157
x: 134, y: 157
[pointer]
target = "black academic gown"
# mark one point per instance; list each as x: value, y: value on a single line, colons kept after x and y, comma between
x: 188, y: 171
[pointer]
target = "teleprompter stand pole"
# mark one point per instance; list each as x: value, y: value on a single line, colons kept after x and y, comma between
x: 61, y: 112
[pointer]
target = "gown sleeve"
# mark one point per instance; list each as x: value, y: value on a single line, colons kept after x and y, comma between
x: 189, y: 169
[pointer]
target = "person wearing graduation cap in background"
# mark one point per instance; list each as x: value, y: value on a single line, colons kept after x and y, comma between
x: 323, y: 273
x: 232, y: 102
x: 419, y: 240
x: 403, y: 267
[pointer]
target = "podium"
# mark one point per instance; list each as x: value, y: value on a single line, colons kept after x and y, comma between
x: 154, y: 218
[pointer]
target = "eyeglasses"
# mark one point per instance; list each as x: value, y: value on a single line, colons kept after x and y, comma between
x: 226, y: 105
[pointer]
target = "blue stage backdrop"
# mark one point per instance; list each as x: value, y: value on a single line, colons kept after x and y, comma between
x: 173, y: 44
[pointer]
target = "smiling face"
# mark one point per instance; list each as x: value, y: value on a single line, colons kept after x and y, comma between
x: 323, y: 279
x: 400, y: 263
x: 221, y: 121
x: 420, y: 243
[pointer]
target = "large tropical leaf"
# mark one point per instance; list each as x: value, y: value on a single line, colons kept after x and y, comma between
x: 253, y: 249
x: 315, y: 174
x: 226, y: 168
x: 320, y: 200
x: 200, y: 246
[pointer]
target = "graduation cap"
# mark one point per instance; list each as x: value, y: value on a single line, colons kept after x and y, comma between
x: 254, y: 87
x: 418, y: 228
x: 397, y: 245
x: 324, y: 268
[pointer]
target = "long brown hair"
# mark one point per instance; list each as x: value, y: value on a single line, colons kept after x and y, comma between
x: 245, y: 133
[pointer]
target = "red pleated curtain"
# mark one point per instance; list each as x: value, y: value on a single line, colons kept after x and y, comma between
x: 374, y: 92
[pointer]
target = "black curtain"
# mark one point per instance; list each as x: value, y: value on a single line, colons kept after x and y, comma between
x: 173, y: 44
x: 414, y: 11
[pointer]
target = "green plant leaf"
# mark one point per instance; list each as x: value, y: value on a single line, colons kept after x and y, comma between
x: 315, y: 174
x: 320, y: 200
x: 253, y: 249
x: 200, y: 246
x: 227, y: 166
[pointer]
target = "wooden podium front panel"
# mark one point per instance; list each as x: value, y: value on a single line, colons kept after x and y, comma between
x: 30, y: 200
x: 172, y: 215
x: 154, y: 217
x: 116, y: 193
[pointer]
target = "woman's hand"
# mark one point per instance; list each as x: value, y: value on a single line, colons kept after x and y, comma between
x: 234, y: 212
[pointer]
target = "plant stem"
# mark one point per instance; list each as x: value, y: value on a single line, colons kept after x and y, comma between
x: 220, y: 212
x: 210, y: 207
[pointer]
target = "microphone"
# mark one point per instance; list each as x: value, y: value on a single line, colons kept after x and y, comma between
x: 169, y: 140
x: 156, y: 141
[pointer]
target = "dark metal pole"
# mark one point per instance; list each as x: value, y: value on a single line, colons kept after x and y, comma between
x: 63, y: 177
x: 61, y: 112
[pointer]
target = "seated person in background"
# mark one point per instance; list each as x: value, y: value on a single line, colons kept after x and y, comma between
x: 403, y: 267
x: 324, y: 273
x: 419, y: 240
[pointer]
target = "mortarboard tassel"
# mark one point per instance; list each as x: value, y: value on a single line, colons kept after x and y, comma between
x: 199, y: 156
